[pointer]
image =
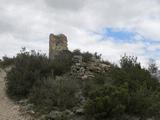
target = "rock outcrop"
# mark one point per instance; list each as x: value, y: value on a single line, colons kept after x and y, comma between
x: 86, y: 70
x: 57, y: 43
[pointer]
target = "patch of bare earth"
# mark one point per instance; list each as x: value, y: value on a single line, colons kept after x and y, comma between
x: 8, y: 109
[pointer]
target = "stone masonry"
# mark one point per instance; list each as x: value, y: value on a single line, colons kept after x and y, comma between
x: 57, y: 43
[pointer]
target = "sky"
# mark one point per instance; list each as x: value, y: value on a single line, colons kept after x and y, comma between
x: 109, y: 27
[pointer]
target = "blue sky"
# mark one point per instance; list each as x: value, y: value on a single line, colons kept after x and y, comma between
x: 119, y: 35
x: 126, y: 36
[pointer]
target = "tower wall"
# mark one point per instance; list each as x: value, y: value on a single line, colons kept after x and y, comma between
x: 57, y: 43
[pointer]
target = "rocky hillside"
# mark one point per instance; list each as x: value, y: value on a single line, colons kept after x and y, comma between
x: 75, y: 85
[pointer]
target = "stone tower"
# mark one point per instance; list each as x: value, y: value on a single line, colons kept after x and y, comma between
x: 57, y: 43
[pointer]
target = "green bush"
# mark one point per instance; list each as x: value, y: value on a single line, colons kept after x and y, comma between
x: 98, y: 81
x: 6, y: 62
x: 27, y: 68
x: 49, y: 93
x: 139, y: 91
x: 62, y: 62
x: 106, y: 102
x: 141, y: 87
x: 87, y: 57
x: 77, y: 52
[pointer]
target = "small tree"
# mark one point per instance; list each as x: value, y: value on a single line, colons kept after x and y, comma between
x: 76, y: 52
x: 97, y: 56
x: 128, y: 62
x: 106, y: 103
x: 152, y: 67
x: 87, y: 57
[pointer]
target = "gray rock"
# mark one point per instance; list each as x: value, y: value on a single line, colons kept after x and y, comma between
x: 29, y: 108
x: 43, y: 117
x: 79, y: 111
x: 60, y: 115
x: 55, y: 115
x: 23, y: 102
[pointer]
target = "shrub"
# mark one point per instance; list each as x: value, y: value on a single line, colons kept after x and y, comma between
x: 77, y: 52
x: 137, y: 76
x: 99, y: 80
x: 141, y: 87
x: 129, y: 62
x: 28, y: 67
x: 62, y: 62
x: 106, y: 102
x: 97, y: 56
x: 118, y: 76
x: 139, y: 91
x: 50, y: 93
x: 6, y: 62
x: 152, y: 66
x: 87, y: 57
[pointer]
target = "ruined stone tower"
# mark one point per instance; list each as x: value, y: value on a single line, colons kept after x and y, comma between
x: 57, y: 43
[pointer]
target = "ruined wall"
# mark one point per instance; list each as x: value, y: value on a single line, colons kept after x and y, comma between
x: 57, y: 43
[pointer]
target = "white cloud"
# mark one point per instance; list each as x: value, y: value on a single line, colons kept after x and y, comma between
x: 28, y: 23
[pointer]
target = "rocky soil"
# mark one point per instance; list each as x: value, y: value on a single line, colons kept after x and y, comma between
x: 8, y: 109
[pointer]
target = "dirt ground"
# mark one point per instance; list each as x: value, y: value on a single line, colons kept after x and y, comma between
x: 8, y: 110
